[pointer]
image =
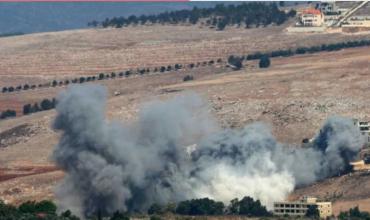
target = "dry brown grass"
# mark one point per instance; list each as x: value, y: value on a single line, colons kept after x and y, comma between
x: 294, y: 95
x: 45, y: 56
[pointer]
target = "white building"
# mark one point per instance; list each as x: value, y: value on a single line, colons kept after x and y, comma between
x: 311, y: 18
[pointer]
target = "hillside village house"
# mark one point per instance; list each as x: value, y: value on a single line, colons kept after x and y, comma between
x: 311, y: 18
x: 299, y: 208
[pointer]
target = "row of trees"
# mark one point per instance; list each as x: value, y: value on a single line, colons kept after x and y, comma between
x: 33, y: 210
x: 247, y: 14
x: 112, y: 75
x: 236, y: 62
x: 205, y: 206
x: 312, y: 49
x: 45, y: 209
x: 354, y: 213
x: 44, y: 105
x: 9, y: 113
x: 264, y: 62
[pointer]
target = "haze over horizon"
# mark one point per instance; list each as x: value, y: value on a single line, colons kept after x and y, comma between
x: 32, y: 17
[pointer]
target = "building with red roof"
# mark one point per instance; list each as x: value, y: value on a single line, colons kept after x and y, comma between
x: 311, y: 18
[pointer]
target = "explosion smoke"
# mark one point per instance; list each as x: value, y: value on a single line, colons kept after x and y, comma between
x: 113, y: 166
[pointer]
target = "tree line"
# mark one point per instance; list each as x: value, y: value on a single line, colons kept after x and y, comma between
x: 236, y: 62
x: 312, y: 49
x: 32, y: 210
x: 247, y: 206
x: 205, y: 206
x: 105, y: 76
x: 246, y: 14
x: 44, y: 105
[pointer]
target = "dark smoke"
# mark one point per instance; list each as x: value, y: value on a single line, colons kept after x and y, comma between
x: 175, y: 151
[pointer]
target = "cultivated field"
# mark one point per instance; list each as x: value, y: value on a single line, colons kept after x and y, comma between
x: 294, y: 95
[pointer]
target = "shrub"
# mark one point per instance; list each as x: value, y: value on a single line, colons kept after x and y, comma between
x: 313, y: 212
x: 301, y: 50
x: 8, y: 113
x: 235, y: 62
x: 264, y: 62
x: 203, y: 206
x: 353, y: 213
x: 27, y: 109
x: 36, y: 108
x: 247, y: 206
x: 188, y: 78
x: 46, y: 104
x: 177, y: 66
x: 82, y: 79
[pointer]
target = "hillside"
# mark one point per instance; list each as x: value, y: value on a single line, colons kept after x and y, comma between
x: 31, y: 17
x: 46, y: 56
x: 295, y: 95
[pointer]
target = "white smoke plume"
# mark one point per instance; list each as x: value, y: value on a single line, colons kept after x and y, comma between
x: 114, y: 166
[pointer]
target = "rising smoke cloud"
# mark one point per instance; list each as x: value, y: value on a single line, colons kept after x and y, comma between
x: 114, y: 166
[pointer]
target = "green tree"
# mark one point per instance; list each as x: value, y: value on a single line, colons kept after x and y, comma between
x: 46, y: 206
x: 313, y: 212
x: 82, y: 79
x: 26, y: 87
x: 247, y: 206
x: 8, y: 113
x: 36, y: 108
x: 27, y: 109
x: 264, y: 62
x: 46, y: 104
x: 188, y: 78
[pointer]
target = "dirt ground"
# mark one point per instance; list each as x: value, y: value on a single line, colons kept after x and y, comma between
x: 295, y: 95
x: 46, y: 56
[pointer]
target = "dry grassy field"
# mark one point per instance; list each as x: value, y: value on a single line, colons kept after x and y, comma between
x: 295, y: 95
x: 35, y: 57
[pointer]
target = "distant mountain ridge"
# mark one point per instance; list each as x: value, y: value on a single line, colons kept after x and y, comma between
x: 30, y: 17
